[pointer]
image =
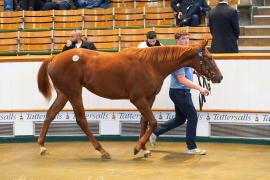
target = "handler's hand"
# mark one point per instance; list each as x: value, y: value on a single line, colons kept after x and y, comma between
x: 204, y: 91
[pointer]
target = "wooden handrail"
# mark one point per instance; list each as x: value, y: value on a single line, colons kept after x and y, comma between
x: 228, y: 56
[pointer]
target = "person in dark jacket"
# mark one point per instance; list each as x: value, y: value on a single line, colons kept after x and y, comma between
x: 59, y: 5
x: 224, y: 27
x: 76, y: 41
x: 8, y: 5
x: 189, y: 12
x: 90, y: 4
x: 31, y: 5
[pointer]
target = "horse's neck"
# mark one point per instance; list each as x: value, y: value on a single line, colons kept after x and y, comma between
x: 167, y: 67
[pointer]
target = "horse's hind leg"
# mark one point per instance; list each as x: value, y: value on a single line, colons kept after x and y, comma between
x: 55, y: 108
x: 145, y: 109
x: 78, y: 108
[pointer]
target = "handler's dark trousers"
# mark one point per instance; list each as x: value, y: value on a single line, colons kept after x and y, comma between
x: 184, y: 109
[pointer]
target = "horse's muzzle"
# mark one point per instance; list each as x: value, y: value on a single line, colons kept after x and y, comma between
x: 217, y: 79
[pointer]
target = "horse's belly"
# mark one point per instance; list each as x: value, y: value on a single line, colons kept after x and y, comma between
x: 109, y: 93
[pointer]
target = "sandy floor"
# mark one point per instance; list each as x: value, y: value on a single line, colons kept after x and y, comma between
x: 78, y: 160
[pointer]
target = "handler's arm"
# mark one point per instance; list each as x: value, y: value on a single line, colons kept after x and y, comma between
x: 183, y: 80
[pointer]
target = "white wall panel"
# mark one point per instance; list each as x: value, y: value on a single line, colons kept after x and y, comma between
x: 245, y: 87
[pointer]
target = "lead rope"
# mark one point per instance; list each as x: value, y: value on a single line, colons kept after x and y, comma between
x: 205, y: 84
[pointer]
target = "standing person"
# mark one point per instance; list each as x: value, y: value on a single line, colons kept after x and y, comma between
x: 76, y: 41
x: 189, y: 12
x: 181, y: 83
x: 224, y: 27
x: 151, y: 40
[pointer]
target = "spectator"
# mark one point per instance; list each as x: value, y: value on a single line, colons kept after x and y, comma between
x: 151, y: 40
x: 189, y: 12
x: 89, y: 4
x: 30, y: 5
x: 224, y: 27
x: 76, y: 41
x: 8, y: 5
x: 59, y: 5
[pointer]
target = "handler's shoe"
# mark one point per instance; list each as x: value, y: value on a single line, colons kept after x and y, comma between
x: 153, y: 140
x: 196, y: 151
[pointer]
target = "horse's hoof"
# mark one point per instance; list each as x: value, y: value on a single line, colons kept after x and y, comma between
x: 135, y: 151
x: 105, y: 156
x: 147, y: 154
x: 42, y: 151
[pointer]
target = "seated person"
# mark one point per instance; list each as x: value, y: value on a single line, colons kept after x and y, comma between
x: 8, y: 5
x: 151, y: 40
x: 76, y: 41
x: 30, y: 5
x: 189, y: 12
x: 89, y: 4
x: 59, y: 5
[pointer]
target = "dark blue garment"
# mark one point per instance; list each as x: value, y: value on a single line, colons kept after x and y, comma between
x: 225, y: 30
x: 30, y: 5
x: 89, y: 4
x: 57, y: 6
x: 8, y: 5
x: 184, y: 110
x: 184, y: 4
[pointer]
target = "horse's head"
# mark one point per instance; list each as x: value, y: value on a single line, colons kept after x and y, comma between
x: 206, y: 66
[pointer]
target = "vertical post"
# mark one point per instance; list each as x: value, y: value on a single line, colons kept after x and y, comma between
x: 119, y: 39
x: 53, y: 18
x: 18, y: 41
x: 23, y: 19
x: 85, y: 34
x: 83, y: 23
x: 144, y: 17
x: 52, y: 42
x: 113, y: 14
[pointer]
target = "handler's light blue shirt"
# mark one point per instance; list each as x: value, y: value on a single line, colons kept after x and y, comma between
x: 175, y: 84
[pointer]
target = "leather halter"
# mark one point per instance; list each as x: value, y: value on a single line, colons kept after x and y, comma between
x: 205, y: 81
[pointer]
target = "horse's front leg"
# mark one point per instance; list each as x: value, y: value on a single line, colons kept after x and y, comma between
x: 144, y: 125
x: 145, y: 109
x: 81, y: 120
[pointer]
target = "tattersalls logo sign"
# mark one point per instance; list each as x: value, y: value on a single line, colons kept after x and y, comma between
x: 7, y: 116
x: 229, y: 117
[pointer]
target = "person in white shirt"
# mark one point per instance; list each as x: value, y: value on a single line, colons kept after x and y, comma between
x: 151, y: 40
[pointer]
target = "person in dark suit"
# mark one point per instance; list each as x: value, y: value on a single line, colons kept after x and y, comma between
x: 224, y: 27
x: 189, y: 12
x: 76, y: 41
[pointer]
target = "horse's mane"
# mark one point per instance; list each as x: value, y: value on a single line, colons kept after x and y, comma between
x: 158, y: 53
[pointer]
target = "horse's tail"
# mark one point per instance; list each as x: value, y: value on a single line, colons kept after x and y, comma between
x: 44, y: 84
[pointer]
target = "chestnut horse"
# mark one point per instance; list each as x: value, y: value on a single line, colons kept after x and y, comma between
x: 134, y: 74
